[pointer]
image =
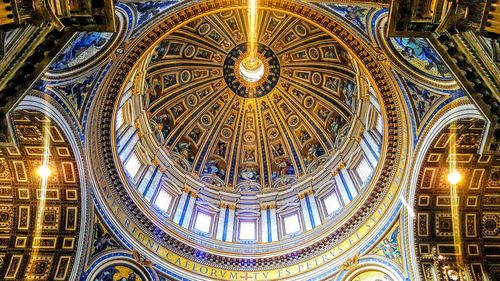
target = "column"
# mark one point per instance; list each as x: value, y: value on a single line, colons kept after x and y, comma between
x: 345, y: 185
x: 308, y: 221
x: 265, y: 226
x: 368, y: 138
x: 127, y: 142
x: 153, y: 184
x: 230, y: 224
x: 181, y: 205
x: 146, y: 179
x: 369, y: 153
x: 274, y: 225
x: 313, y: 208
x: 188, y: 213
x: 222, y: 223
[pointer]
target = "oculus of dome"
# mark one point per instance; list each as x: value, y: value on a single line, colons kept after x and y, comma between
x: 251, y: 79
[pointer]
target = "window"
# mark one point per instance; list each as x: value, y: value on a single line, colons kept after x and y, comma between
x: 119, y: 118
x: 364, y: 170
x: 380, y: 124
x: 163, y: 200
x: 332, y: 203
x: 247, y: 230
x: 133, y: 165
x: 203, y: 222
x: 291, y: 223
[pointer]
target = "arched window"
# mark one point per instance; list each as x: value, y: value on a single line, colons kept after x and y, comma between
x: 133, y: 165
x: 163, y: 200
x: 291, y: 223
x: 331, y: 203
x: 380, y: 125
x: 247, y: 230
x: 363, y: 171
x: 119, y: 118
x: 203, y: 222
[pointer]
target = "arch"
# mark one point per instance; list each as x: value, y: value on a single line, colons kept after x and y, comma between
x: 36, y: 103
x: 449, y: 116
x: 375, y: 265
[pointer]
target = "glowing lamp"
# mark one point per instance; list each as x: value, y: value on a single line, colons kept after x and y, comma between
x: 44, y: 171
x: 454, y: 177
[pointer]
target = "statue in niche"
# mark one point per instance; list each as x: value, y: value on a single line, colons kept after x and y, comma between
x: 304, y: 135
x: 277, y: 150
x: 213, y: 168
x: 153, y: 89
x: 313, y: 152
x: 163, y: 124
x: 249, y: 174
x: 177, y: 110
x: 221, y: 149
x: 184, y: 151
x: 336, y: 123
x: 323, y: 113
x: 215, y: 108
x: 348, y: 91
x: 285, y: 169
x: 195, y: 134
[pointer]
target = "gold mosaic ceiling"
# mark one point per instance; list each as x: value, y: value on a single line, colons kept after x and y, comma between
x: 213, y: 126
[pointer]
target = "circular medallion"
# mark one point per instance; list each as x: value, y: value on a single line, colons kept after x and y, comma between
x: 251, y: 77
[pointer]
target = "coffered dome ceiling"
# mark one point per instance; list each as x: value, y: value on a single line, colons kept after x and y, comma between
x: 215, y: 153
x: 246, y: 135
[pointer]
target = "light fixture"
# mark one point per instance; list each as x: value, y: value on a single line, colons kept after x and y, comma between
x: 44, y: 171
x: 454, y: 177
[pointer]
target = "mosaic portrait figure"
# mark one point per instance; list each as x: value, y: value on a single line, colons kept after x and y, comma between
x: 118, y: 273
x: 84, y: 46
x: 419, y: 49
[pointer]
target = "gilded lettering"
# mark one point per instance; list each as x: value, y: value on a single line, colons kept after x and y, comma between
x: 141, y: 237
x: 213, y: 272
x: 203, y: 269
x: 300, y: 266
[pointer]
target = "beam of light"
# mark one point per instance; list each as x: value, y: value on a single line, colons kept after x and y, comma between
x: 454, y: 179
x: 252, y: 28
x: 44, y: 173
x: 410, y: 210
